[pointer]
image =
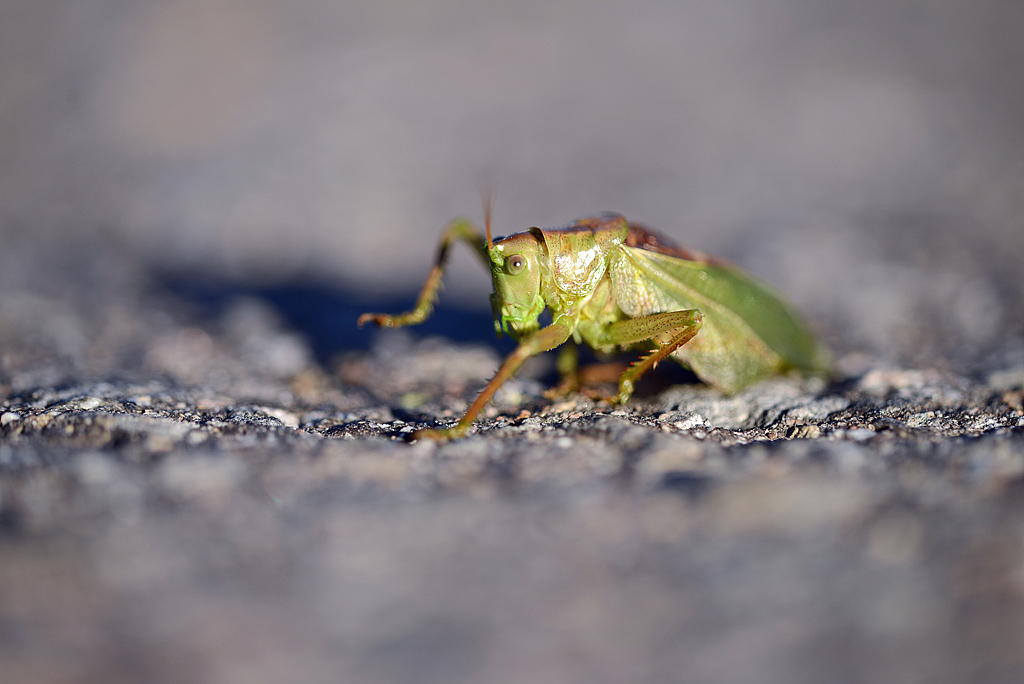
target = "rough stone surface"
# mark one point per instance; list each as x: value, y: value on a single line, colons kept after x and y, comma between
x: 258, y: 525
x: 206, y: 472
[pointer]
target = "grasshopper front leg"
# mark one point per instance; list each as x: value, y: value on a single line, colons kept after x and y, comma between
x: 459, y: 229
x: 682, y: 325
x: 543, y: 340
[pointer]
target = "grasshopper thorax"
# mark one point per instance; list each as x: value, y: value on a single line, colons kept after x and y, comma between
x: 516, y: 270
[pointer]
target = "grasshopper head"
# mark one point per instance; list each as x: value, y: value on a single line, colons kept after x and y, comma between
x: 515, y: 266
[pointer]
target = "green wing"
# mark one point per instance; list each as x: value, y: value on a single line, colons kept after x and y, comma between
x: 749, y: 332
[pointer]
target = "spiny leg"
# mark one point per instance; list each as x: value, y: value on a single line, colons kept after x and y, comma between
x: 684, y: 325
x: 543, y: 340
x: 459, y: 229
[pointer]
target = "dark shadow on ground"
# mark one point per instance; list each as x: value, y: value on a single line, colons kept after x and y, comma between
x: 326, y: 315
x: 326, y: 318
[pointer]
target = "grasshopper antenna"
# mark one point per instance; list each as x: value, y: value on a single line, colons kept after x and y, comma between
x: 488, y: 200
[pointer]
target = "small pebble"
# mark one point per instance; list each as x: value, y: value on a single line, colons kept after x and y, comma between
x: 90, y: 403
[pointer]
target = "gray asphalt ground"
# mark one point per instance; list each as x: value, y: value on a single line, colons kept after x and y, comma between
x: 205, y: 468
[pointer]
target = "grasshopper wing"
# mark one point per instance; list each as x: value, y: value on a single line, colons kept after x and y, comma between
x: 749, y: 332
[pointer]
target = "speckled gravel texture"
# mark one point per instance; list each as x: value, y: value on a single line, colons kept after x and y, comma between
x: 207, y: 472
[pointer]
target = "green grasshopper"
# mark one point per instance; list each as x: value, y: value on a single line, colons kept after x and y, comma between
x: 615, y: 285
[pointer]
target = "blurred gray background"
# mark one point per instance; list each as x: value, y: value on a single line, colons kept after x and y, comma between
x: 202, y: 477
x: 867, y: 158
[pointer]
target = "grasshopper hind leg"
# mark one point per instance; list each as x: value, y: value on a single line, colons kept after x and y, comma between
x: 681, y: 325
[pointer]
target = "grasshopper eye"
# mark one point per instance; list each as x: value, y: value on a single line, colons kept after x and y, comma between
x: 515, y: 264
